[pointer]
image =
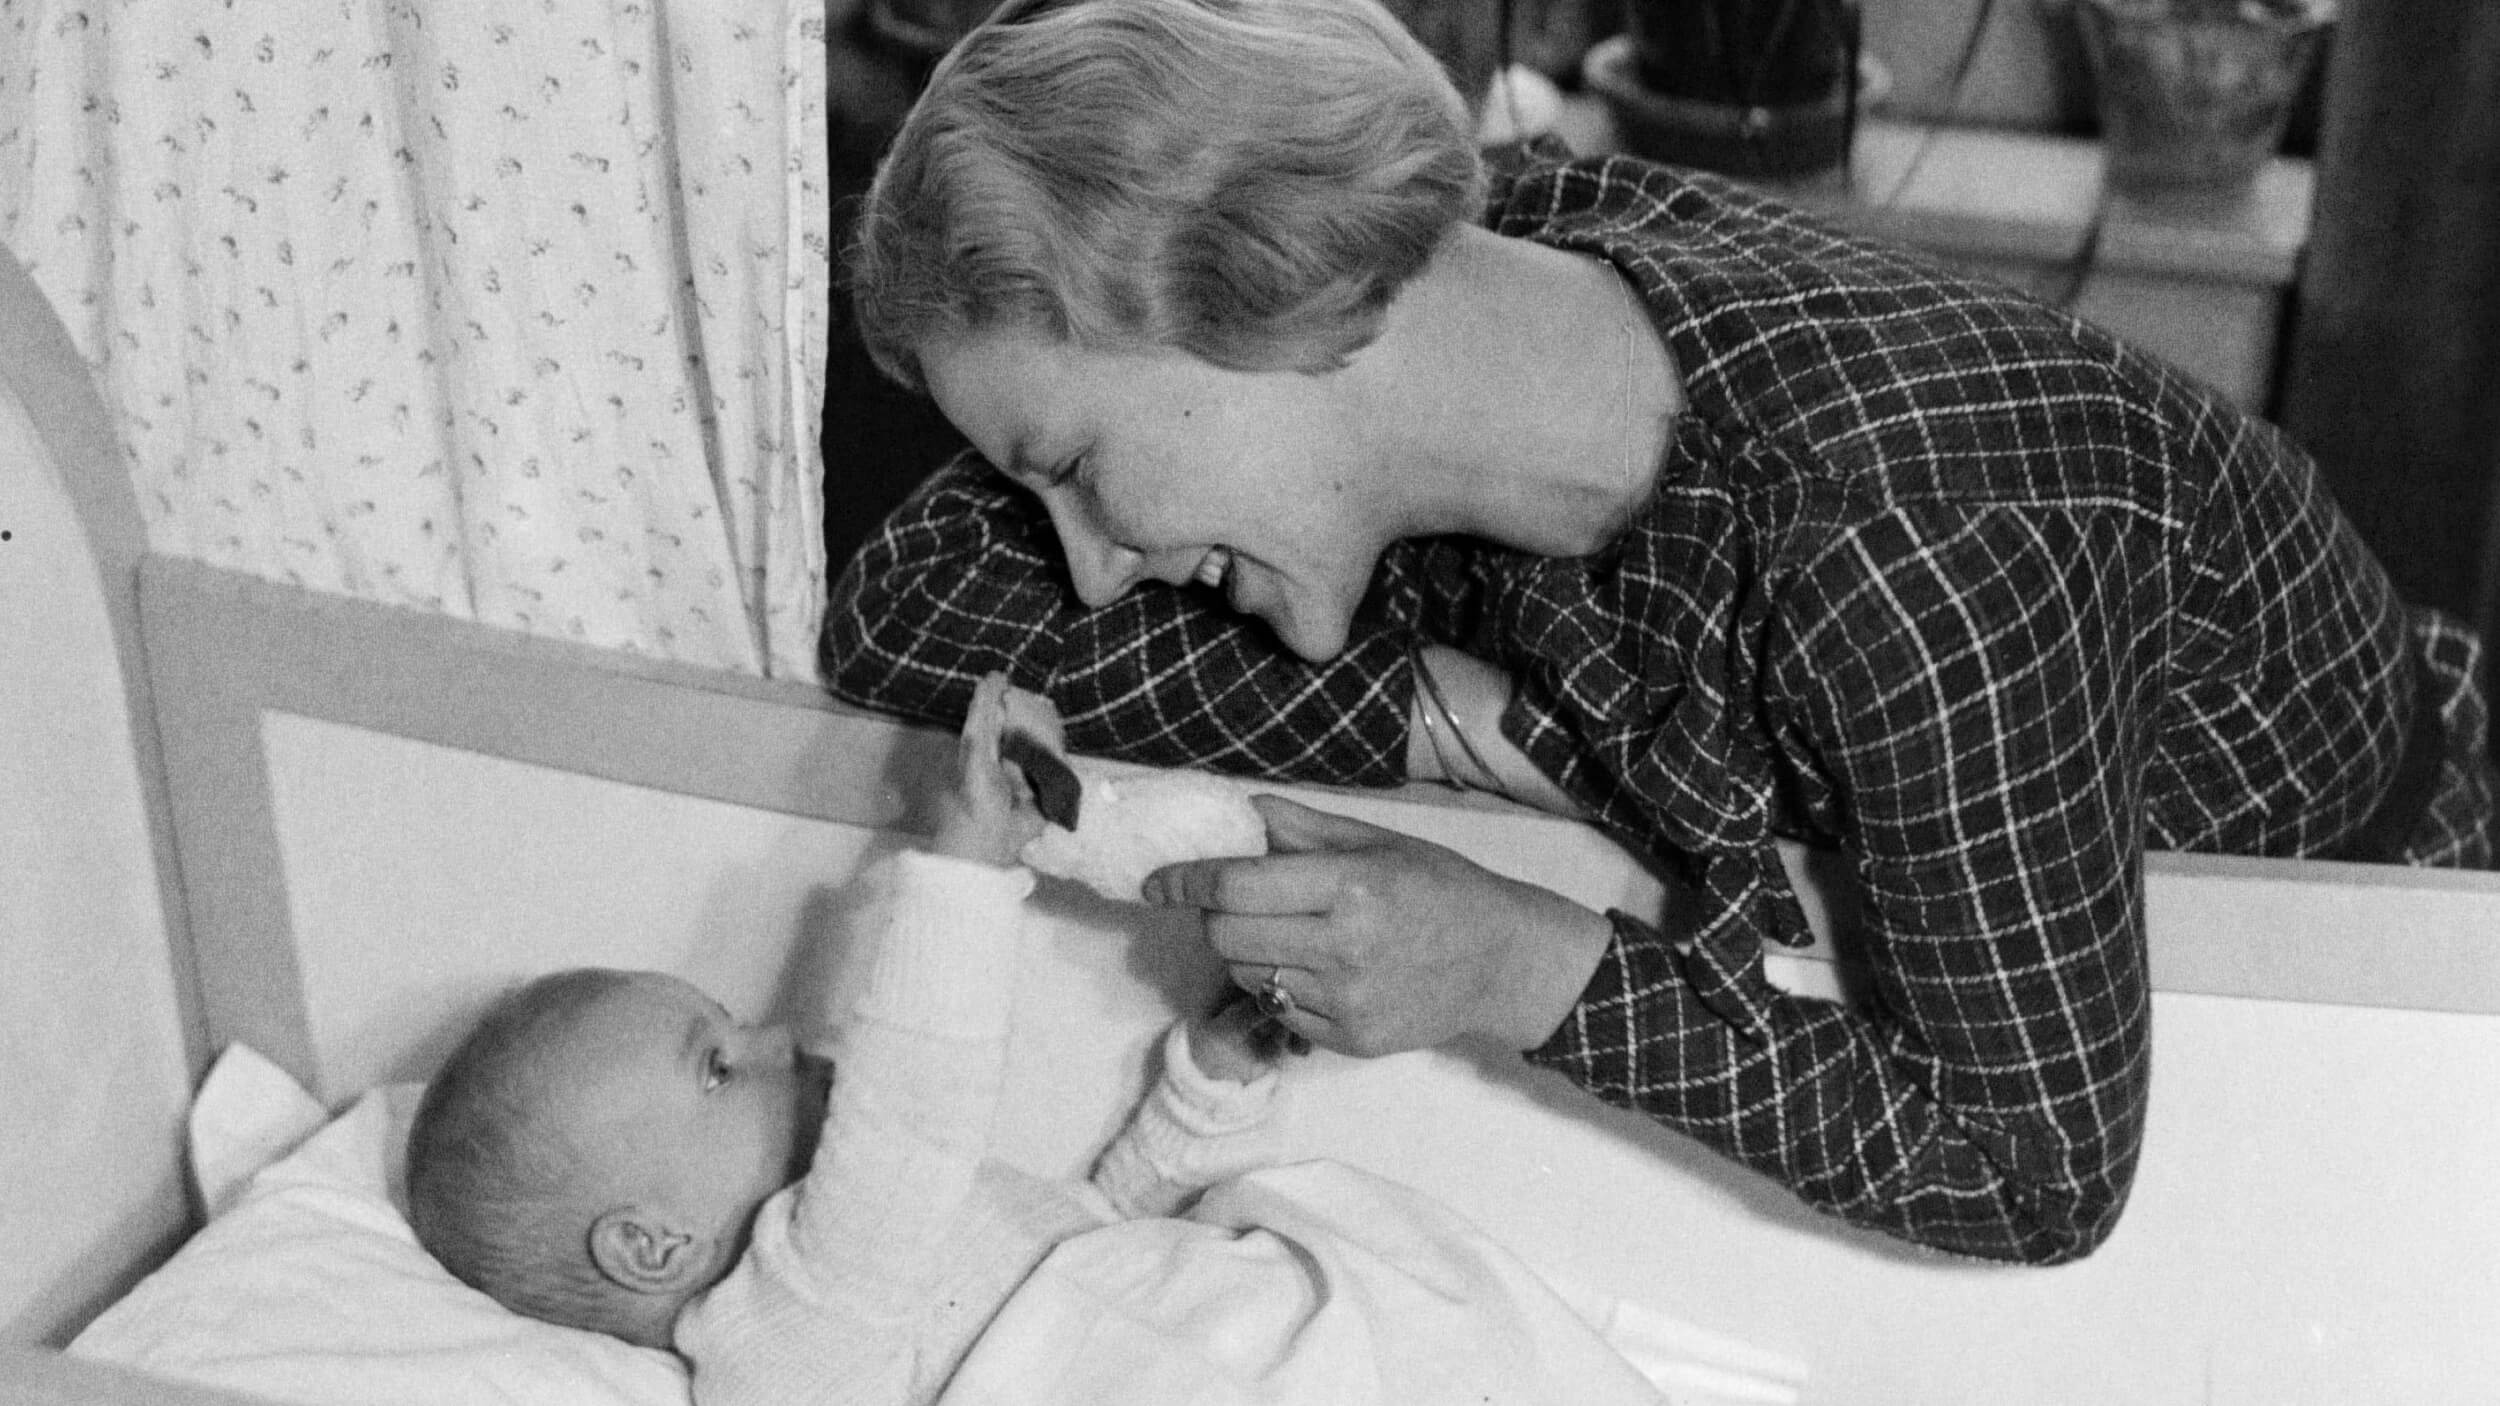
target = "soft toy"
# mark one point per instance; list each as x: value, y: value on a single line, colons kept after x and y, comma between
x: 1129, y: 822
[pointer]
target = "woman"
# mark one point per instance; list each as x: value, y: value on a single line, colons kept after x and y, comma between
x: 1698, y: 520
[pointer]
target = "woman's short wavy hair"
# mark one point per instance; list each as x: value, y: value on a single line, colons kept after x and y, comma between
x: 1250, y: 181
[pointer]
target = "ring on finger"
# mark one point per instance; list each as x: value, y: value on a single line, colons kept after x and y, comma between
x: 1275, y: 1002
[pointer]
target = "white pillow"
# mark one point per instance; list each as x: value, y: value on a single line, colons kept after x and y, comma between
x: 307, y: 1285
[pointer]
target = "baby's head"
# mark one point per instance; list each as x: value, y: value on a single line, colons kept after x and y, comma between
x: 595, y: 1151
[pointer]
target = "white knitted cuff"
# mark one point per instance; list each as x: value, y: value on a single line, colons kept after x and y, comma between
x: 938, y: 944
x: 1207, y: 1105
x: 1191, y: 1131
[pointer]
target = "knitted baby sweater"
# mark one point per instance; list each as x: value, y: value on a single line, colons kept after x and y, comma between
x: 870, y: 1278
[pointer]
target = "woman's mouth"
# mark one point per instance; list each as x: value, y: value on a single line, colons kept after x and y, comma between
x: 1213, y: 568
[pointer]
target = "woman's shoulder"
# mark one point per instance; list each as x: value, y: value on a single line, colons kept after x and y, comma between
x: 1545, y: 190
x: 1757, y: 512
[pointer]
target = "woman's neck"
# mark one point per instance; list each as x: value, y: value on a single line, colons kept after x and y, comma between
x: 1527, y: 395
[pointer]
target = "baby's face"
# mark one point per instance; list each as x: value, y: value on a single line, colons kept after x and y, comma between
x: 686, y: 1108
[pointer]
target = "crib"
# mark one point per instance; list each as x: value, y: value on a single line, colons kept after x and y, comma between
x: 328, y: 831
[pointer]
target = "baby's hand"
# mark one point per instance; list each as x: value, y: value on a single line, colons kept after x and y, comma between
x: 1236, y: 1043
x: 989, y: 815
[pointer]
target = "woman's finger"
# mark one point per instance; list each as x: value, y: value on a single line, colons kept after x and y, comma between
x: 1294, y: 828
x: 1262, y: 884
x: 1279, y: 990
x: 1303, y: 871
x: 1255, y: 942
x: 1287, y: 1000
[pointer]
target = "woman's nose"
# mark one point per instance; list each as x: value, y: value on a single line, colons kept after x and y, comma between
x: 1102, y: 570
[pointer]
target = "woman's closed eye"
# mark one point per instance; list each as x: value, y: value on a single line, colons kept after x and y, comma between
x: 1065, y: 472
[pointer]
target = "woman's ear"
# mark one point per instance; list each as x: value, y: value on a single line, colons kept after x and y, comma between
x: 640, y: 1249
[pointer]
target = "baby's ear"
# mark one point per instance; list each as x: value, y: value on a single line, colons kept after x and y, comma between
x: 638, y: 1249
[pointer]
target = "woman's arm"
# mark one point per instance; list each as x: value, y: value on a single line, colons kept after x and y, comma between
x: 966, y: 577
x: 1975, y: 690
x: 1454, y: 733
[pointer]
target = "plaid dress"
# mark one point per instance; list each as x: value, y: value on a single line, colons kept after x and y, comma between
x: 1931, y: 575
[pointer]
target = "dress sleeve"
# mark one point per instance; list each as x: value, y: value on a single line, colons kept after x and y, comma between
x: 1189, y: 1132
x: 1975, y: 687
x: 966, y: 577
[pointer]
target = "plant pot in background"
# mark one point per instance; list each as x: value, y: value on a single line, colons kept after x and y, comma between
x: 1553, y: 37
x: 1463, y: 34
x: 927, y: 28
x: 2194, y: 95
x: 1745, y: 87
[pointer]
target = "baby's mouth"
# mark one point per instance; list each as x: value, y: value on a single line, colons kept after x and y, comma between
x: 812, y: 1090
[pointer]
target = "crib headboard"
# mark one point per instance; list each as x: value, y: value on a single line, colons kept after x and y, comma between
x: 379, y: 818
x: 101, y: 1036
x: 384, y: 816
x: 327, y: 755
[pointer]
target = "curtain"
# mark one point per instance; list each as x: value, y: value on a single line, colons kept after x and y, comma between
x: 510, y: 311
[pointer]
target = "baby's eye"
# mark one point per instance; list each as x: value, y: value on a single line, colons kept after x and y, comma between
x: 716, y: 1070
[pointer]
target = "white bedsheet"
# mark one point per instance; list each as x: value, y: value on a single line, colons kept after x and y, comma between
x: 307, y: 1286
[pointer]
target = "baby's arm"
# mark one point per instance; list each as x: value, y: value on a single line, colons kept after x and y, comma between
x: 922, y: 1007
x: 923, y: 1014
x: 861, y: 1239
x: 1210, y: 1115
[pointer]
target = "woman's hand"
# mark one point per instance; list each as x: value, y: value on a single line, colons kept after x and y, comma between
x: 989, y: 815
x: 1381, y: 942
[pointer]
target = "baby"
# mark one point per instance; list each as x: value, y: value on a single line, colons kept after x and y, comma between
x: 614, y: 1151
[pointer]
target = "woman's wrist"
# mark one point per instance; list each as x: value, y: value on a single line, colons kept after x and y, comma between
x: 1549, y: 971
x: 1455, y: 732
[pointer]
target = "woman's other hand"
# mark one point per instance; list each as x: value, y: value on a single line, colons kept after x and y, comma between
x: 988, y: 815
x: 1381, y: 942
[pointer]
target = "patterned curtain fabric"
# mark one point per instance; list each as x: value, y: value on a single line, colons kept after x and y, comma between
x: 515, y: 312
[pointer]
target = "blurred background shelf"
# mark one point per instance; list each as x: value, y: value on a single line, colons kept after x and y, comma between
x: 2204, y: 285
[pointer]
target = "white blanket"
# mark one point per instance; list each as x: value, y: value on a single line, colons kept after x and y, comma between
x: 1314, y: 1282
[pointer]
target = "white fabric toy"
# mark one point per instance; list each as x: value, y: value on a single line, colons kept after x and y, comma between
x: 1132, y: 822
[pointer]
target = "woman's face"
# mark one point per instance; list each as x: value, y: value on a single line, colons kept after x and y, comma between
x: 1159, y: 466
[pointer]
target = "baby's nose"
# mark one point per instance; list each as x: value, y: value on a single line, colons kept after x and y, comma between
x: 771, y: 1045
